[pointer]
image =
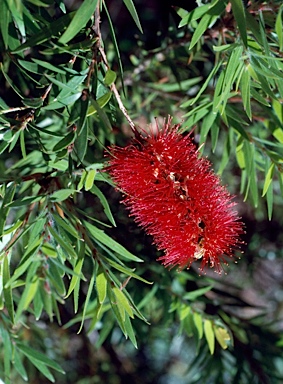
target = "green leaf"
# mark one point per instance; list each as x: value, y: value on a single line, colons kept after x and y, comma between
x: 252, y: 187
x: 82, y: 16
x: 148, y: 297
x: 198, y: 323
x: 209, y: 335
x: 130, y: 331
x: 131, y: 8
x: 99, y: 103
x: 5, y: 18
x: 24, y: 265
x: 222, y: 336
x: 63, y: 101
x: 65, y: 245
x: 11, y: 82
x: 50, y: 31
x: 27, y: 296
x: 112, y: 32
x: 240, y: 16
x: 75, y: 281
x: 7, y: 352
x: 89, y: 292
x: 55, y: 276
x: 66, y: 225
x: 269, y: 199
x: 193, y: 15
x: 123, y: 302
x: 110, y: 77
x: 42, y: 368
x: 175, y: 87
x: 96, y: 191
x: 279, y: 28
x: 268, y: 177
x: 25, y: 201
x: 214, y: 131
x: 8, y: 296
x: 38, y: 304
x: 101, y: 285
x: 13, y: 228
x: 19, y: 365
x: 81, y: 142
x: 245, y: 90
x: 49, y: 66
x: 81, y: 124
x: 61, y: 194
x: 65, y: 142
x: 40, y: 357
x: 4, y: 210
x: 89, y: 179
x: 212, y: 73
x: 206, y: 126
x: 211, y: 15
x: 198, y: 292
x: 126, y: 271
x: 109, y: 242
x: 240, y: 154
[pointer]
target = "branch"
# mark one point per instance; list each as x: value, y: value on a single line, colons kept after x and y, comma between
x: 114, y: 89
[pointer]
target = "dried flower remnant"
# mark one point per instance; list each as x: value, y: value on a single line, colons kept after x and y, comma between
x: 175, y: 196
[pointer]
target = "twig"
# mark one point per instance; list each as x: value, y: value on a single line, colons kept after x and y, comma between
x: 103, y: 55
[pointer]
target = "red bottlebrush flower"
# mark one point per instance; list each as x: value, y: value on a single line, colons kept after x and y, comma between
x: 175, y: 196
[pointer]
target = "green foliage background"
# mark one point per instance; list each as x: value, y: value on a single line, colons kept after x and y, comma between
x: 82, y: 298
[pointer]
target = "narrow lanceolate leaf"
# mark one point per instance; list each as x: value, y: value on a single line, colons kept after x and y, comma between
x: 110, y: 77
x: 198, y: 323
x: 65, y: 142
x: 50, y: 31
x: 269, y: 199
x: 76, y: 277
x: 8, y: 290
x: 40, y: 357
x: 95, y: 190
x: 19, y: 365
x: 25, y: 201
x: 82, y: 16
x: 246, y: 92
x: 198, y: 292
x: 5, y: 18
x: 89, y: 292
x: 130, y: 5
x: 112, y: 32
x: 61, y: 194
x: 268, y: 178
x: 209, y: 335
x: 207, y: 20
x: 109, y: 242
x: 279, y: 28
x: 240, y: 16
x: 130, y: 331
x: 89, y: 179
x: 101, y: 285
x: 27, y: 296
x: 4, y: 210
x: 123, y: 301
x: 81, y: 143
x: 222, y: 336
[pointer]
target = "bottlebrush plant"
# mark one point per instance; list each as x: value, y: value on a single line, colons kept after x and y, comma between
x: 173, y: 193
x: 82, y: 297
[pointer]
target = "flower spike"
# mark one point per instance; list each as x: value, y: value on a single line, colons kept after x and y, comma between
x: 175, y: 196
